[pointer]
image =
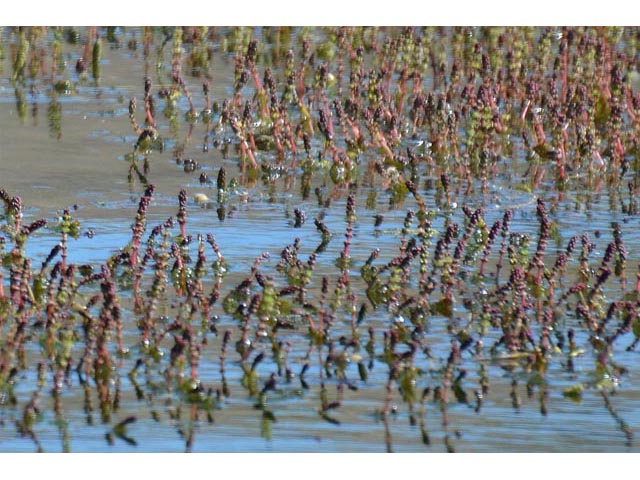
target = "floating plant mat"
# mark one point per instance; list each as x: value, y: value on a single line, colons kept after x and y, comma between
x: 319, y: 239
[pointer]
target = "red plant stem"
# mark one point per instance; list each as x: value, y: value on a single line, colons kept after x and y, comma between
x: 382, y: 142
x: 291, y: 140
x: 417, y: 83
x: 87, y: 45
x: 630, y: 111
x: 525, y: 109
x: 185, y: 90
x: 560, y: 161
x: 541, y: 138
x: 148, y: 116
x: 246, y: 151
x: 563, y: 72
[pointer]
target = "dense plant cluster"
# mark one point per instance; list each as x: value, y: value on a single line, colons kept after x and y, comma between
x: 429, y: 118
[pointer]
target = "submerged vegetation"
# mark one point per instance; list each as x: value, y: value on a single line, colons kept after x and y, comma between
x: 428, y: 122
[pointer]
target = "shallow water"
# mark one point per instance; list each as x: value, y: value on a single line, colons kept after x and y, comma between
x: 83, y: 164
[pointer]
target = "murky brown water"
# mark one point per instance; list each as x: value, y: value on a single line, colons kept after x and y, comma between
x: 84, y: 164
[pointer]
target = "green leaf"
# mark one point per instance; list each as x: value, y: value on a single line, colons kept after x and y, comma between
x: 574, y: 393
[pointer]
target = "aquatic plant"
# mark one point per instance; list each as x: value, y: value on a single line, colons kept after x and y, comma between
x: 385, y: 115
